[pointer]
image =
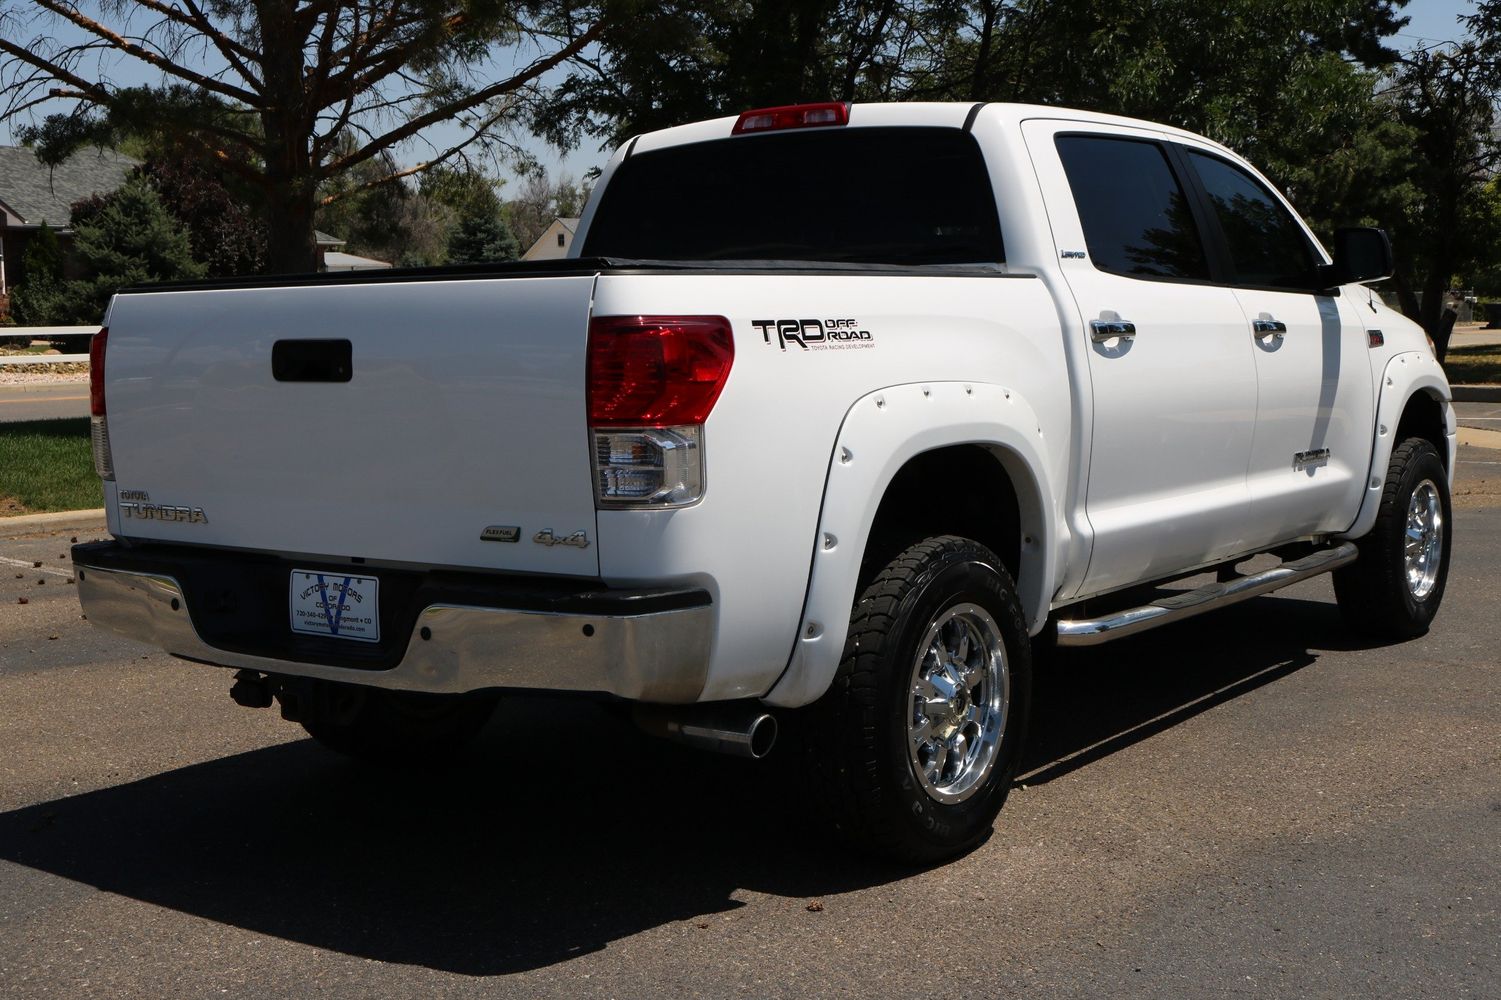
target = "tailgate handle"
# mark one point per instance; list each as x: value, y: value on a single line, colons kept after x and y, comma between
x: 312, y: 361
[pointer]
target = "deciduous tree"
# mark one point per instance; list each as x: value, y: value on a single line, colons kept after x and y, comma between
x: 271, y: 90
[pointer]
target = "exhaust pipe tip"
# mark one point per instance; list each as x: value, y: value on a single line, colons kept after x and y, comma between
x: 762, y: 735
x: 737, y: 729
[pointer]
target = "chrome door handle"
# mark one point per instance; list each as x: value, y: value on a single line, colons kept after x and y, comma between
x: 1269, y: 328
x: 1101, y: 330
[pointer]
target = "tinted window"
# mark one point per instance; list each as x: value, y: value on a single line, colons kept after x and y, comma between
x: 1136, y: 219
x: 871, y: 195
x: 1267, y: 246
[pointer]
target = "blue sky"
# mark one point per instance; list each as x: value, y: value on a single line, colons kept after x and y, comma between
x: 1431, y: 21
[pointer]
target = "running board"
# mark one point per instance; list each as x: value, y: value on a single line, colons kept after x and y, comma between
x: 1093, y: 631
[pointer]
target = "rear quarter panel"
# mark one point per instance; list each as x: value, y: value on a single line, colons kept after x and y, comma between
x: 771, y: 439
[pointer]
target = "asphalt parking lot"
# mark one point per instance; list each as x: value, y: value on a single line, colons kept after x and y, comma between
x: 1248, y: 804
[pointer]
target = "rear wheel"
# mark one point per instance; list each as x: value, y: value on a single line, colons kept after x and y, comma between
x: 387, y: 727
x: 912, y: 751
x: 1394, y: 589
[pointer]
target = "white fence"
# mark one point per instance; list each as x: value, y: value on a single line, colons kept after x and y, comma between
x: 42, y: 359
x: 45, y: 333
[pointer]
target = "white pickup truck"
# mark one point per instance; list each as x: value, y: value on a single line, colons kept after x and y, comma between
x: 840, y: 410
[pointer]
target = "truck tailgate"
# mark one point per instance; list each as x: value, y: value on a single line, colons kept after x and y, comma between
x: 463, y: 410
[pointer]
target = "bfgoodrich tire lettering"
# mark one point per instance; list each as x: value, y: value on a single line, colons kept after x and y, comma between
x: 864, y: 773
x: 1394, y: 589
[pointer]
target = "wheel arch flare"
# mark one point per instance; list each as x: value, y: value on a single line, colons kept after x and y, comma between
x: 883, y: 434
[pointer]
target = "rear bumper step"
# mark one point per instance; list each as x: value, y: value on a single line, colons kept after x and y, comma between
x: 1093, y: 631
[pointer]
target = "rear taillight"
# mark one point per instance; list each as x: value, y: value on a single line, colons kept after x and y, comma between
x: 104, y: 463
x: 654, y: 371
x: 652, y: 382
x: 96, y: 372
x: 792, y: 116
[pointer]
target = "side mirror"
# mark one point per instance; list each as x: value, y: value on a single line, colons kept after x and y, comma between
x: 1360, y: 254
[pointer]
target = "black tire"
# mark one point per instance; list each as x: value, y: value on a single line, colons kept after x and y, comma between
x: 859, y: 769
x: 1373, y: 592
x: 385, y: 727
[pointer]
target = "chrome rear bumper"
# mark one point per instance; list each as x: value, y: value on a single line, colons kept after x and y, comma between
x: 660, y: 656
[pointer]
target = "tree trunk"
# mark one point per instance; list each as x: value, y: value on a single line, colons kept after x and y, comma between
x: 290, y: 248
x: 978, y: 74
x: 1435, y: 284
x: 1407, y: 299
x: 287, y: 121
x: 1442, y: 334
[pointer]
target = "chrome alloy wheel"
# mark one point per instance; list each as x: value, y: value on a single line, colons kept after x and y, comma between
x: 960, y: 692
x: 1423, y: 548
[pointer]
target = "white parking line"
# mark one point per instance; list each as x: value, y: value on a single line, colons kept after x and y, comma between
x: 27, y: 563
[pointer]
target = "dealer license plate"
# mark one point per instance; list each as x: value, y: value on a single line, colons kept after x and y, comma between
x: 337, y: 605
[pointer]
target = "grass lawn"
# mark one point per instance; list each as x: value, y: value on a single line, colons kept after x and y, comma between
x: 1473, y: 365
x: 47, y: 465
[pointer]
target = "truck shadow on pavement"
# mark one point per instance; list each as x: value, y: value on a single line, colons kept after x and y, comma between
x: 567, y: 830
x: 1090, y: 703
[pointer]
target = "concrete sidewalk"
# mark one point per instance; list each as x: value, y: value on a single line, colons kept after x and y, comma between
x: 31, y: 524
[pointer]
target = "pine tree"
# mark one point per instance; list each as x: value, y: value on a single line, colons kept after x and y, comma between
x: 39, y: 297
x: 124, y: 238
x: 481, y: 239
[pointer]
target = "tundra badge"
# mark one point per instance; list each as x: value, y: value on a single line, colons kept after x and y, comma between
x: 136, y: 503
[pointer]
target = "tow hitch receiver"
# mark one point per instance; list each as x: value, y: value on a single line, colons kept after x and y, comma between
x: 251, y: 689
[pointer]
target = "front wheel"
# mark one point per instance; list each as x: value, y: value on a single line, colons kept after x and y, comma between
x: 1393, y: 590
x: 913, y: 749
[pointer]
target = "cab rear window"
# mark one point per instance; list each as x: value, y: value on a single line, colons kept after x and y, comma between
x: 862, y: 195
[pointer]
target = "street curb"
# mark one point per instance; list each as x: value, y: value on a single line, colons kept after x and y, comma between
x: 1475, y: 437
x: 1476, y: 393
x: 26, y: 523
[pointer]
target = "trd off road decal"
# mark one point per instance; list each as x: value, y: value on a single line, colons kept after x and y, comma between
x: 815, y: 334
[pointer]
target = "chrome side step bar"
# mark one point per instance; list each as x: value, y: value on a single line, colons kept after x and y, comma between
x: 1093, y: 631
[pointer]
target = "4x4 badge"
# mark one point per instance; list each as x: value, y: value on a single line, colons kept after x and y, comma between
x: 579, y: 539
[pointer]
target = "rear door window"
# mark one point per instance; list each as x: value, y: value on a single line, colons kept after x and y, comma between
x: 1135, y: 215
x: 866, y: 195
x: 1267, y: 247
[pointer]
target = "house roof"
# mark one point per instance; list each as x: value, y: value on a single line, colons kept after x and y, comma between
x: 39, y: 193
x: 325, y: 240
x: 546, y: 249
x: 335, y: 260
